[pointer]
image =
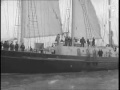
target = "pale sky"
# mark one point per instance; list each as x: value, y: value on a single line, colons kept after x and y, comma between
x: 8, y: 16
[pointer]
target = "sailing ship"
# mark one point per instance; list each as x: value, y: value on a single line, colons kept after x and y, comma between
x: 45, y: 22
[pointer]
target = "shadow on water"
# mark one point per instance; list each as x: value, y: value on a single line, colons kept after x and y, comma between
x: 106, y: 79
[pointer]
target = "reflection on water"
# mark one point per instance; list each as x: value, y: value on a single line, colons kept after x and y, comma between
x: 100, y: 80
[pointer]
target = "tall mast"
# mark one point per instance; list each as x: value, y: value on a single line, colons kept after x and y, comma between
x: 19, y: 22
x: 22, y: 28
x: 72, y: 23
x: 110, y: 32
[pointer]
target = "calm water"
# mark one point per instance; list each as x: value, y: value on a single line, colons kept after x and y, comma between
x: 100, y: 80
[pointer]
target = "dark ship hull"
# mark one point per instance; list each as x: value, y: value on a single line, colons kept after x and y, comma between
x: 27, y: 62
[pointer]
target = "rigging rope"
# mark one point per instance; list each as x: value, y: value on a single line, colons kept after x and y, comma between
x: 104, y: 24
x: 15, y: 34
x: 105, y: 13
x: 58, y: 19
x: 86, y: 19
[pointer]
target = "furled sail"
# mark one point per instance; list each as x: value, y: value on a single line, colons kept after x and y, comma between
x: 40, y: 18
x: 84, y: 20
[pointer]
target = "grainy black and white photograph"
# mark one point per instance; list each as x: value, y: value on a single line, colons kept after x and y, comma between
x: 59, y: 44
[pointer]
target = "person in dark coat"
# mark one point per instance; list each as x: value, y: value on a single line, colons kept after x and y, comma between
x: 58, y: 39
x: 110, y: 53
x: 75, y: 39
x: 22, y: 47
x: 115, y: 49
x: 6, y: 45
x: 66, y: 40
x: 16, y: 46
x: 88, y: 42
x: 100, y: 53
x: 1, y: 45
x: 93, y: 42
x: 82, y: 41
x: 12, y: 46
x: 31, y: 49
x: 69, y: 41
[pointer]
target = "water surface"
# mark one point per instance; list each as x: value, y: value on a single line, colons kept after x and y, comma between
x: 98, y: 80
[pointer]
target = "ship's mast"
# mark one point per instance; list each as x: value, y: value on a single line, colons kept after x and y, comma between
x: 110, y: 32
x: 72, y: 23
x: 22, y: 28
x: 19, y: 22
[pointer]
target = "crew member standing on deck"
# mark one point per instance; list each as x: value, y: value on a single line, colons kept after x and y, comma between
x: 6, y: 45
x: 70, y: 41
x: 22, y: 47
x: 82, y: 41
x: 66, y: 40
x: 93, y: 42
x: 58, y: 39
x: 31, y: 49
x: 110, y: 53
x: 94, y: 54
x: 1, y: 45
x: 100, y: 53
x: 88, y: 52
x: 16, y: 46
x: 88, y: 42
x: 12, y: 46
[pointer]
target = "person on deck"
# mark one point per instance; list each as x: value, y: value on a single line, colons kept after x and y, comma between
x: 115, y: 49
x: 31, y: 49
x: 11, y: 46
x: 6, y: 45
x: 93, y: 42
x: 94, y: 54
x: 69, y: 41
x: 58, y: 39
x: 100, y: 53
x: 110, y: 53
x: 88, y: 53
x: 22, y: 47
x: 1, y: 45
x: 75, y: 39
x: 88, y: 42
x: 82, y: 41
x: 66, y: 40
x: 16, y: 46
